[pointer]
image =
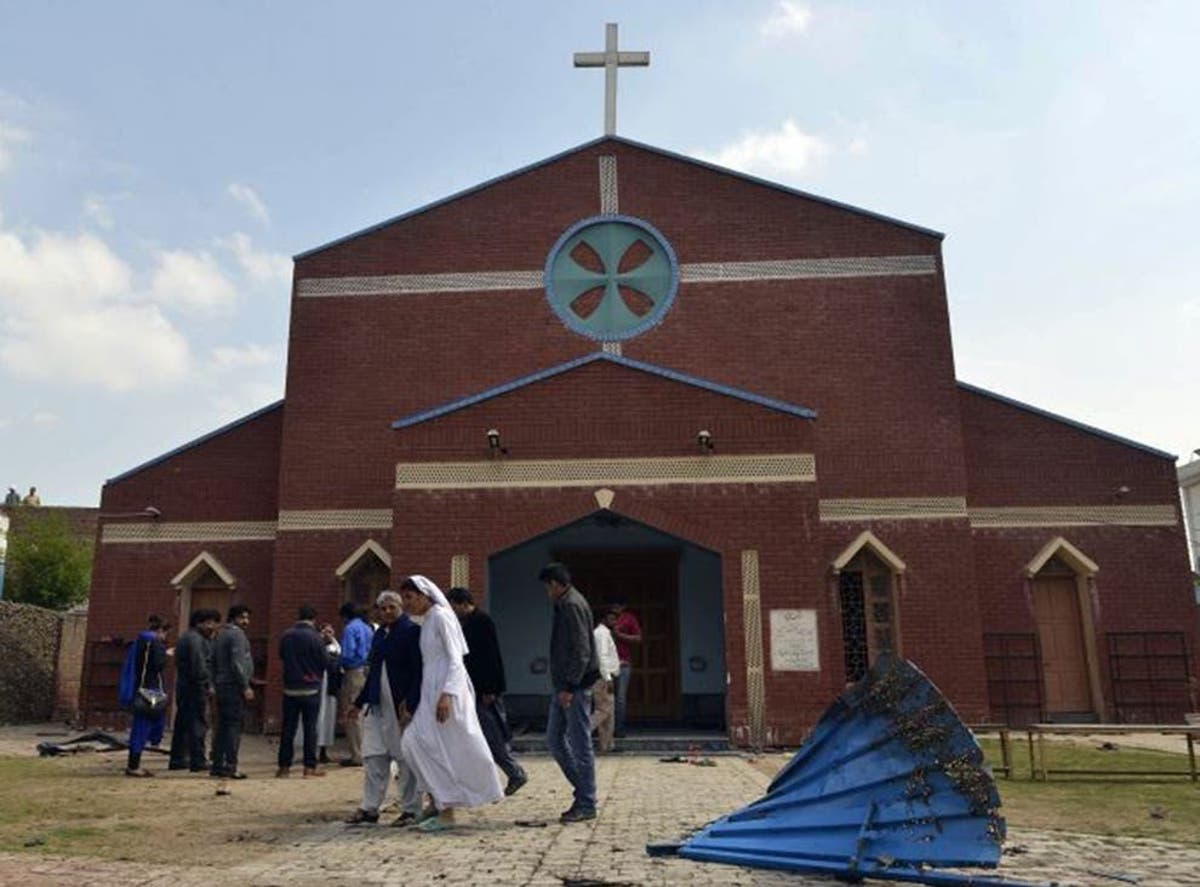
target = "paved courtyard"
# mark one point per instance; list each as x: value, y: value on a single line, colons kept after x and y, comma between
x: 518, y: 841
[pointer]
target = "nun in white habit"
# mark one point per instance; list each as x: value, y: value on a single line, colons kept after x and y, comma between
x: 444, y: 743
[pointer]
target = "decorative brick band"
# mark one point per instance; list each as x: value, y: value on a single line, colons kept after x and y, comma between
x: 608, y: 184
x: 756, y: 688
x: 406, y: 284
x: 698, y: 272
x: 336, y: 519
x: 1074, y: 516
x: 460, y: 571
x: 197, y: 531
x: 799, y: 269
x: 506, y: 474
x: 950, y: 507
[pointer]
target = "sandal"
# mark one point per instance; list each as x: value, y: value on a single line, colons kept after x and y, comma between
x: 142, y: 774
x: 362, y: 817
x: 404, y: 820
x: 433, y: 825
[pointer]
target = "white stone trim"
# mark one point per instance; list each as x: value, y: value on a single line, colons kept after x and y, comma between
x: 513, y: 474
x: 196, y: 531
x: 609, y: 203
x: 696, y: 272
x: 336, y: 519
x: 611, y: 348
x: 359, y: 553
x: 1078, y: 561
x: 1074, y: 516
x: 188, y: 575
x: 939, y: 508
x: 870, y: 541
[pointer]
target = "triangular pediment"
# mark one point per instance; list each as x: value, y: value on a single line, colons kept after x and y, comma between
x: 201, y: 564
x: 370, y: 547
x: 1065, y: 552
x: 869, y: 541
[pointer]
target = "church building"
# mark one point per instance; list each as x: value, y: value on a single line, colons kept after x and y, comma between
x: 727, y: 403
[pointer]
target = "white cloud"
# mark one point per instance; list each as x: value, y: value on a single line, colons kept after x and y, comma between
x: 10, y: 137
x: 786, y: 20
x: 786, y: 150
x: 192, y: 282
x: 261, y: 266
x: 858, y: 147
x: 43, y: 419
x: 230, y: 357
x: 96, y: 208
x: 69, y: 313
x: 249, y: 199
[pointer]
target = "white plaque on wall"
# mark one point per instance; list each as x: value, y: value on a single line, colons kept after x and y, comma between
x: 794, y: 641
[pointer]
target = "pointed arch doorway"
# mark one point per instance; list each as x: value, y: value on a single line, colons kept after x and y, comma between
x: 673, y: 586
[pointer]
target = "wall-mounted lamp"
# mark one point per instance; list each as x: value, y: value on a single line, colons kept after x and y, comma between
x: 1122, y: 491
x: 704, y: 440
x: 149, y: 511
x: 494, y: 448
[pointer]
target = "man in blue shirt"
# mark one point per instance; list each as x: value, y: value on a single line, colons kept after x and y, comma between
x: 356, y: 649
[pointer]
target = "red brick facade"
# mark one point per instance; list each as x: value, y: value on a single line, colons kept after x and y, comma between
x: 870, y: 354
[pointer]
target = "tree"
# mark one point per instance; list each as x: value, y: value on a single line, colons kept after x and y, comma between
x: 47, y: 564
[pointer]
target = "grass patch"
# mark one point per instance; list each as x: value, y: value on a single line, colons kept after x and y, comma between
x: 1166, y: 808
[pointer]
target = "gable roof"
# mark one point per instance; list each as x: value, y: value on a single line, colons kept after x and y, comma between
x: 236, y: 423
x: 675, y: 376
x: 662, y: 152
x: 1046, y: 414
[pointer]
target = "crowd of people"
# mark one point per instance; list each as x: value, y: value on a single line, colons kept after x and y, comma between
x: 420, y: 691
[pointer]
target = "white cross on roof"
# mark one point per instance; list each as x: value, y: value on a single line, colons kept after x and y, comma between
x: 610, y: 60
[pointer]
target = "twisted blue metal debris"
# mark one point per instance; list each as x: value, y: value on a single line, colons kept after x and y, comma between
x: 890, y: 784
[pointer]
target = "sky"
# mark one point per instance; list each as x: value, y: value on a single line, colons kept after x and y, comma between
x: 160, y: 163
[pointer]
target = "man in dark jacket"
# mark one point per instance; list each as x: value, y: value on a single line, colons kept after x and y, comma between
x: 574, y: 668
x: 233, y: 667
x: 193, y: 686
x: 302, y: 650
x: 486, y: 670
x: 385, y: 705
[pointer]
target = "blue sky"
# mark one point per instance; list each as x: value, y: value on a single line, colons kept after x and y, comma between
x: 160, y: 163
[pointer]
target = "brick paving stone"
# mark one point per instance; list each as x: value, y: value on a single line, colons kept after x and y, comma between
x: 640, y: 800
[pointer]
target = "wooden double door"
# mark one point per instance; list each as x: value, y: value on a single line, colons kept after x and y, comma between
x: 647, y: 582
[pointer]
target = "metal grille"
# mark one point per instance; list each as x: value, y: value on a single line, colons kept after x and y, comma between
x: 1149, y: 672
x: 799, y: 269
x: 198, y: 531
x: 503, y: 473
x: 892, y: 509
x: 337, y: 519
x: 855, y: 651
x: 460, y: 571
x: 1013, y: 665
x: 608, y: 184
x: 756, y: 691
x: 1075, y: 515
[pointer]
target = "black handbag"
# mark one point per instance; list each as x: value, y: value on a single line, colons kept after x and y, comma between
x: 149, y: 702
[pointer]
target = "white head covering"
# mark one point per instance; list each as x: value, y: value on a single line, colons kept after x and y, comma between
x: 455, y: 640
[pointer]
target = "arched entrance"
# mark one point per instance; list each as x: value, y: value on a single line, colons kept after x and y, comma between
x: 672, y: 585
